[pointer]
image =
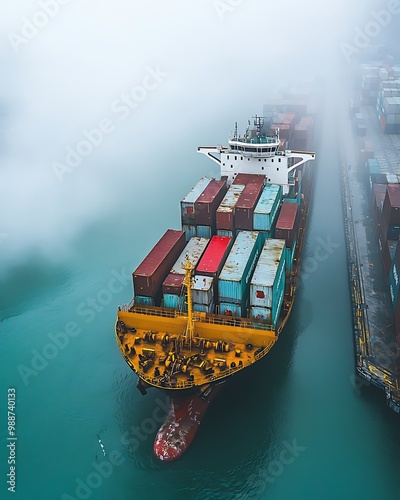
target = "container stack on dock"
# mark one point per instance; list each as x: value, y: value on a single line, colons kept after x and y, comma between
x: 380, y: 88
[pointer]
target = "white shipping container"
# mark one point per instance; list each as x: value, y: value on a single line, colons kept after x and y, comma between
x: 193, y: 250
x: 203, y: 290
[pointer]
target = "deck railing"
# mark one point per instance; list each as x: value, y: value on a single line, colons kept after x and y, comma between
x: 214, y: 319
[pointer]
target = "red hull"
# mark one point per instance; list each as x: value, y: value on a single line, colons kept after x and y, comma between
x: 181, y: 424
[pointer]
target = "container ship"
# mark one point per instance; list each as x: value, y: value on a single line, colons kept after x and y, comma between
x: 211, y: 298
x: 371, y: 196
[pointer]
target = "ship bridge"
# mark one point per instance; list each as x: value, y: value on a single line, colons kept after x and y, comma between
x: 257, y: 153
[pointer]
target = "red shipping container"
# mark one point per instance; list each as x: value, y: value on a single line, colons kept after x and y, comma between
x: 287, y: 223
x: 207, y: 203
x: 225, y: 215
x: 244, y: 179
x: 391, y: 205
x: 214, y: 257
x: 150, y: 274
x: 173, y: 284
x: 245, y: 206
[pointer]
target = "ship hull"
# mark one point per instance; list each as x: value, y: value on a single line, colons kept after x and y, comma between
x: 182, y: 422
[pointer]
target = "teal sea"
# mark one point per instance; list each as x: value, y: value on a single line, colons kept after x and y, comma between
x: 297, y: 425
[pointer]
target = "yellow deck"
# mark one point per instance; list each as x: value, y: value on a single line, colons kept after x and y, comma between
x: 220, y: 347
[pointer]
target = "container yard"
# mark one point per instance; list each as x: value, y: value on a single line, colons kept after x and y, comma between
x: 371, y: 202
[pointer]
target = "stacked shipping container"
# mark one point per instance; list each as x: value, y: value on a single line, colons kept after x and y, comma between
x: 173, y: 293
x: 225, y: 215
x: 206, y: 206
x: 267, y: 208
x: 148, y: 277
x: 210, y: 266
x: 188, y: 216
x: 268, y: 282
x: 245, y: 206
x: 287, y: 227
x: 234, y: 280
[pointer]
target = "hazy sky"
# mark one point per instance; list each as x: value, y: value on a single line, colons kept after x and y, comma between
x: 157, y: 77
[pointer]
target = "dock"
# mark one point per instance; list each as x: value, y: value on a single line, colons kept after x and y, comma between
x: 377, y: 353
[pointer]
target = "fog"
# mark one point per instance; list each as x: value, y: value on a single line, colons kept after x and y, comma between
x: 194, y: 69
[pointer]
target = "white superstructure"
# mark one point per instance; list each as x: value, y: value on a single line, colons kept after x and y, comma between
x: 257, y: 153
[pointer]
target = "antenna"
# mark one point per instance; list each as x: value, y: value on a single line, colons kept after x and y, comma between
x: 258, y: 123
x: 248, y: 127
x: 235, y: 132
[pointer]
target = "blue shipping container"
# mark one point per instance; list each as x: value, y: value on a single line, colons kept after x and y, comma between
x: 290, y: 256
x: 204, y: 308
x: 230, y: 309
x: 190, y: 231
x: 204, y: 231
x: 267, y: 207
x: 223, y: 232
x: 142, y: 300
x: 234, y: 280
x: 174, y: 301
x: 261, y: 313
